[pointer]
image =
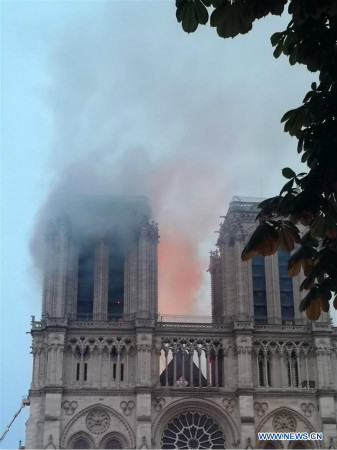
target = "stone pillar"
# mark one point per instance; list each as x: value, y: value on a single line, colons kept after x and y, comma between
x: 228, y: 277
x: 243, y: 277
x: 34, y: 424
x: 56, y: 269
x: 101, y: 281
x: 244, y: 351
x: 216, y: 286
x: 51, y: 431
x: 273, y: 289
x: 131, y: 282
x: 143, y: 390
x: 147, y: 272
x: 72, y: 281
x: 246, y: 408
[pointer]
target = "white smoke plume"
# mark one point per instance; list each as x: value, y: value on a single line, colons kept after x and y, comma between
x: 141, y: 108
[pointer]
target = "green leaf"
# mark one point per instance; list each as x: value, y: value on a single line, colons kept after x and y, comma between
x: 288, y: 173
x: 287, y: 186
x: 201, y: 12
x: 189, y: 21
x: 278, y: 50
x: 288, y: 115
x: 275, y: 38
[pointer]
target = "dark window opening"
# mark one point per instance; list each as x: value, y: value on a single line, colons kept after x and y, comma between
x: 259, y: 289
x: 78, y: 367
x: 286, y: 287
x: 85, y: 291
x: 80, y: 443
x: 122, y: 372
x: 113, y: 443
x: 114, y: 371
x: 85, y: 371
x: 116, y: 282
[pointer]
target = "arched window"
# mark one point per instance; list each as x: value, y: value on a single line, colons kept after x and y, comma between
x: 261, y: 370
x: 80, y: 443
x: 293, y: 376
x: 193, y: 430
x: 264, y: 369
x: 113, y: 443
x: 269, y: 445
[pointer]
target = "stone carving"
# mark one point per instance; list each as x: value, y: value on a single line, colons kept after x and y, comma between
x: 284, y: 423
x: 260, y: 408
x: 249, y: 443
x: 158, y: 403
x: 307, y: 409
x: 69, y: 407
x: 98, y: 421
x: 127, y: 407
x: 229, y: 404
x: 50, y: 442
x: 143, y: 444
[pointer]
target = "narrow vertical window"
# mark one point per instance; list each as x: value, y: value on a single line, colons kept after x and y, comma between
x: 269, y: 372
x: 259, y: 289
x: 114, y: 371
x: 85, y: 371
x: 122, y: 372
x: 78, y: 367
x: 116, y: 281
x: 85, y: 292
x: 286, y: 287
x: 261, y: 369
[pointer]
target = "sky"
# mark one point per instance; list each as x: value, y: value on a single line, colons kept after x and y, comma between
x: 114, y: 98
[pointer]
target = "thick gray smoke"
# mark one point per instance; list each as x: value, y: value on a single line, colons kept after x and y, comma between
x: 140, y: 108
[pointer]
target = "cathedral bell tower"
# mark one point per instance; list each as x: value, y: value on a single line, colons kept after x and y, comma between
x: 93, y: 345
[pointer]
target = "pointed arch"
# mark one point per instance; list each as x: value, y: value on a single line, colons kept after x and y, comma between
x: 66, y: 437
x: 183, y: 405
x: 299, y: 417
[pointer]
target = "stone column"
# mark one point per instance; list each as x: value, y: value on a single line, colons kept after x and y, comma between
x: 216, y: 286
x: 72, y: 282
x: 52, y: 416
x: 56, y: 269
x: 244, y: 350
x: 143, y: 390
x: 147, y: 273
x: 273, y: 289
x: 228, y: 277
x: 243, y: 277
x: 131, y: 282
x: 101, y: 281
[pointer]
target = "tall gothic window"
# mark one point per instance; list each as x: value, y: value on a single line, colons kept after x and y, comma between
x: 293, y: 375
x: 85, y: 292
x: 116, y: 282
x: 259, y: 289
x: 264, y: 369
x: 286, y: 287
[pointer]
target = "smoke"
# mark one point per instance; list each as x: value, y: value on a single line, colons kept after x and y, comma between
x: 139, y: 108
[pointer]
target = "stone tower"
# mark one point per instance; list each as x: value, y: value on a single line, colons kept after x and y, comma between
x: 109, y: 372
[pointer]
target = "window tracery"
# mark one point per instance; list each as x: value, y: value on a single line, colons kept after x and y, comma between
x: 193, y: 430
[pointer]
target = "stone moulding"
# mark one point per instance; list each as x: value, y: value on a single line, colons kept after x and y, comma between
x: 214, y: 410
x: 66, y: 434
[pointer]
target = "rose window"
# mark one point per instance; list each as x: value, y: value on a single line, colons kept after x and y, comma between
x: 193, y: 430
x: 98, y: 421
x: 284, y: 423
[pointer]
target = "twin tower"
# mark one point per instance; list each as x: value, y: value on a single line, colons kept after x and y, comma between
x: 101, y: 261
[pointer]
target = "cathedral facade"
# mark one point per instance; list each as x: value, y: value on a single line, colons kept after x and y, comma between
x: 109, y: 372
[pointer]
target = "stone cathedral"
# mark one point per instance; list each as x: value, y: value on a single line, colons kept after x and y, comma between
x: 110, y: 372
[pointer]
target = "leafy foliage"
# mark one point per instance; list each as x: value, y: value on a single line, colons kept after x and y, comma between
x: 306, y: 199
